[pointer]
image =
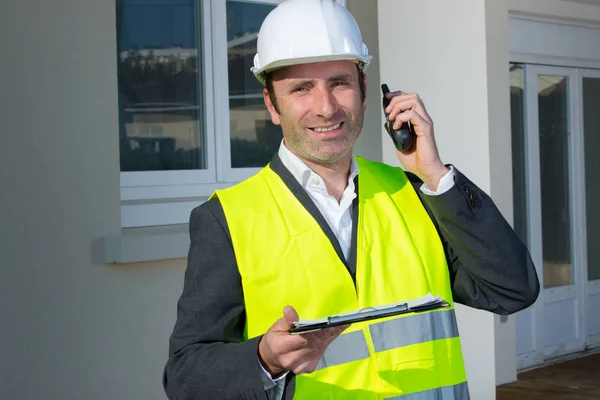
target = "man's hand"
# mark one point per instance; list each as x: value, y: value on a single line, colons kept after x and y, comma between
x: 279, y: 351
x: 423, y: 160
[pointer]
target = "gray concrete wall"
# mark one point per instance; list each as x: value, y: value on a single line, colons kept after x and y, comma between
x: 369, y: 142
x: 72, y: 327
x: 500, y: 163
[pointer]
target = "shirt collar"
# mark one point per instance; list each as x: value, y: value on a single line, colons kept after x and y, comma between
x: 303, y: 173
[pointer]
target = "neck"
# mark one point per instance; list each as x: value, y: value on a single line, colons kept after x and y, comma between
x: 335, y: 175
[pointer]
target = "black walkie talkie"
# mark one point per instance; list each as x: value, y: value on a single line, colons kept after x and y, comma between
x: 404, y: 137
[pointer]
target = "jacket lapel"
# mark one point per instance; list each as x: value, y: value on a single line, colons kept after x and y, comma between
x: 297, y: 190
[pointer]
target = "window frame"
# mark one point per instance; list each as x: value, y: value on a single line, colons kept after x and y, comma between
x: 225, y: 172
x: 154, y: 198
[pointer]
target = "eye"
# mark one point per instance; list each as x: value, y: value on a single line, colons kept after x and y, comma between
x: 339, y: 83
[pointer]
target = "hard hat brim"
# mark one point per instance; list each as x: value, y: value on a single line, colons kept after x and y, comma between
x: 260, y: 73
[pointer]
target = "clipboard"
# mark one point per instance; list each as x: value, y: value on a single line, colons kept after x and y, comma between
x: 426, y: 303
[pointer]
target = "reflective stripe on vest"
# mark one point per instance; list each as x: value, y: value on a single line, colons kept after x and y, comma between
x: 456, y: 392
x: 285, y: 258
x: 344, y: 349
x: 413, y: 329
x: 388, y: 335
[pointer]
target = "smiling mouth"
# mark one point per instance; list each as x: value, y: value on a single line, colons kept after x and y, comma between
x: 328, y: 129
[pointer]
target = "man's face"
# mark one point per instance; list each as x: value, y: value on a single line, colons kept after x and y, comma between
x: 320, y: 109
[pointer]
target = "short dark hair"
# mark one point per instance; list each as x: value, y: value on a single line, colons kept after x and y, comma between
x: 271, y: 92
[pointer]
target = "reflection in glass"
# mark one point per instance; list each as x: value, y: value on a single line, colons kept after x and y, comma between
x: 554, y: 177
x: 254, y: 138
x: 591, y: 129
x: 518, y: 150
x: 159, y: 102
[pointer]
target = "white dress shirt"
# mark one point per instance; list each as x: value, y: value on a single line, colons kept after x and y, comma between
x: 337, y: 215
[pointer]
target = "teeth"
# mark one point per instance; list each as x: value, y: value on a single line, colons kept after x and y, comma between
x: 331, y: 128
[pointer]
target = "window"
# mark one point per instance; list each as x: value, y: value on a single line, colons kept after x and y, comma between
x: 160, y: 91
x: 191, y: 114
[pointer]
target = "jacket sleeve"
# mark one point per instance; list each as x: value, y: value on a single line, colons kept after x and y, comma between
x: 208, y: 358
x: 490, y: 267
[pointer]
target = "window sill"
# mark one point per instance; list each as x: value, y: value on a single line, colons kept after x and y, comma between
x: 145, y: 244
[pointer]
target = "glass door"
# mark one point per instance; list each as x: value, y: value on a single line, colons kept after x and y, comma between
x: 554, y: 91
x: 590, y: 90
x: 548, y: 190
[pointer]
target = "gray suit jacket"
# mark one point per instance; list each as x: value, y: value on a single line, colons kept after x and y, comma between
x: 490, y: 269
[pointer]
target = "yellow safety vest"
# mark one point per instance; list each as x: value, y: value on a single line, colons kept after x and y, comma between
x: 285, y: 258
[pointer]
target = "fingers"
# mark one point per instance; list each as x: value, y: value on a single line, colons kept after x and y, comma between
x: 329, y: 334
x: 423, y: 160
x: 316, y: 344
x: 402, y: 102
x: 414, y: 118
x: 278, y: 350
x: 290, y: 314
x: 282, y: 325
x: 390, y: 95
x: 305, y: 358
x: 302, y: 357
x: 277, y: 347
x: 321, y: 339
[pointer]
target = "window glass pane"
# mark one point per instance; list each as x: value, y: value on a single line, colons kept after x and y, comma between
x: 160, y: 112
x: 554, y: 176
x: 518, y: 150
x: 591, y: 129
x: 254, y: 138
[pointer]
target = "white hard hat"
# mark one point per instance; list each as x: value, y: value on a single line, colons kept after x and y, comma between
x: 305, y: 31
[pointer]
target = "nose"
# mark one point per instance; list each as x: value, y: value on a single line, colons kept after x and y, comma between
x: 326, y: 103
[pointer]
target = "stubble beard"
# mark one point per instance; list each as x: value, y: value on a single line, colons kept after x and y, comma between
x: 312, y: 150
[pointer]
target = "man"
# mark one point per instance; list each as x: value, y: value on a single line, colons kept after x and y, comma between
x: 319, y: 232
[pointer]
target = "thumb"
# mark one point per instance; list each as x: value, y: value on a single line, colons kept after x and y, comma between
x: 290, y: 315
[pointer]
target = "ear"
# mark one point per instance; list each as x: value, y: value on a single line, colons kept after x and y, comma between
x: 271, y: 108
x: 366, y: 91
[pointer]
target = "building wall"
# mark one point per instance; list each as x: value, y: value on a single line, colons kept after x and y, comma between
x: 72, y: 326
x: 500, y: 162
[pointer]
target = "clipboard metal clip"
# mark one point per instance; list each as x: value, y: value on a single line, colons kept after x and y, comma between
x: 367, y: 313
